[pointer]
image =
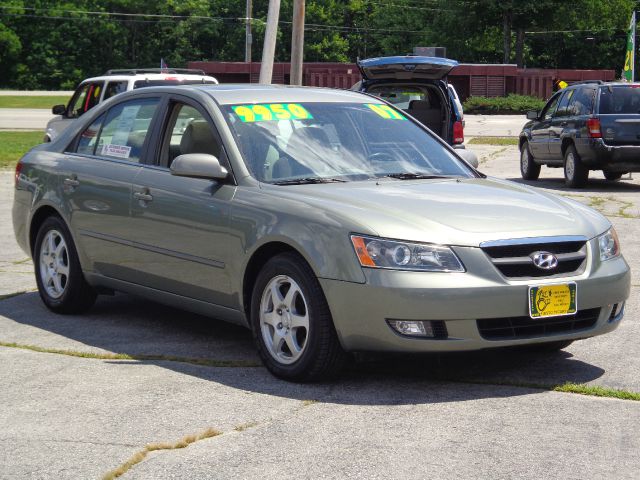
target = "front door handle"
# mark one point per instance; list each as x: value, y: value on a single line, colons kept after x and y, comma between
x: 564, y: 124
x: 143, y: 197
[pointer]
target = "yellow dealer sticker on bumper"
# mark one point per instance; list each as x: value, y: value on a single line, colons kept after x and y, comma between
x: 271, y: 111
x: 553, y: 300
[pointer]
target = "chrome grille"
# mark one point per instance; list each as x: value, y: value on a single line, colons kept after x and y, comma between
x: 514, y: 258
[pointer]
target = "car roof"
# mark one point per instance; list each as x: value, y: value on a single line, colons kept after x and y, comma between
x: 149, y: 76
x: 230, y: 94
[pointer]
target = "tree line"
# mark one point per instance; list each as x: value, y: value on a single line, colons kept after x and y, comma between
x: 48, y: 44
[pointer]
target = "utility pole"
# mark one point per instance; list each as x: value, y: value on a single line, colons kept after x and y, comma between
x: 248, y: 40
x: 269, y: 47
x: 297, y: 42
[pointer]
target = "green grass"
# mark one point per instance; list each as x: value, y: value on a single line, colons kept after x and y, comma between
x: 493, y: 141
x: 153, y: 447
x: 13, y: 145
x: 597, y: 391
x: 24, y: 101
x: 205, y: 362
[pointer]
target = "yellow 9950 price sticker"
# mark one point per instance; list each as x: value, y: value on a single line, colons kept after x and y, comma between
x: 386, y: 112
x: 271, y: 111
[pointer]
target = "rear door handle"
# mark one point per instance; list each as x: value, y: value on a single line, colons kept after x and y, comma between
x: 144, y: 196
x: 72, y: 181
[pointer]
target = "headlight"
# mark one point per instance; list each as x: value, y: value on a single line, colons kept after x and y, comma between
x: 382, y: 253
x: 609, y: 245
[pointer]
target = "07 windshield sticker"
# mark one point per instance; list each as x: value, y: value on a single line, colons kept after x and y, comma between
x: 271, y: 111
x: 386, y: 112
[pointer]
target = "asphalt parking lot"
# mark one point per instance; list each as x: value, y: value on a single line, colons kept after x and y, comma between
x: 131, y: 373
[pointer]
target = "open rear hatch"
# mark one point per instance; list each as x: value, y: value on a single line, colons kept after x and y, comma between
x: 405, y: 68
x: 620, y: 114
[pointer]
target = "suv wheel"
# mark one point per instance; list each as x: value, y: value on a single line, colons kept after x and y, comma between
x: 529, y: 169
x: 575, y: 173
x: 292, y: 324
x: 60, y: 280
x: 612, y: 176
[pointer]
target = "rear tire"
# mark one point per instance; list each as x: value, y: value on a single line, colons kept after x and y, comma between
x: 529, y: 169
x: 292, y: 324
x: 575, y: 173
x: 612, y: 176
x: 61, y: 283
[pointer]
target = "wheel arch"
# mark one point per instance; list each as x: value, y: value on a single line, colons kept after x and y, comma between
x: 40, y: 215
x: 258, y: 260
x: 566, y: 142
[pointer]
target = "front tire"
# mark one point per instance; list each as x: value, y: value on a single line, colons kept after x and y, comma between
x: 61, y: 283
x: 529, y: 169
x: 575, y: 172
x: 292, y: 324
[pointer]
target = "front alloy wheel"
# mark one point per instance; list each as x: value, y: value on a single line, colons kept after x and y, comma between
x: 284, y: 319
x: 291, y: 322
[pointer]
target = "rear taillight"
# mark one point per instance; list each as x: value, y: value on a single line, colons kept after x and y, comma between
x: 18, y: 170
x: 593, y: 127
x: 458, y: 132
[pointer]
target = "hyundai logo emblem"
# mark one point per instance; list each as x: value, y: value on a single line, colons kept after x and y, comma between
x: 544, y: 260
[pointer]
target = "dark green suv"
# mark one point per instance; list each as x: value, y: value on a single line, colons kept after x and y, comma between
x: 586, y: 126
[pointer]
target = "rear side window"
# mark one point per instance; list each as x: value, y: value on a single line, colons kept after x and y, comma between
x: 620, y: 99
x: 89, y: 138
x: 582, y: 101
x: 126, y: 128
x: 114, y: 88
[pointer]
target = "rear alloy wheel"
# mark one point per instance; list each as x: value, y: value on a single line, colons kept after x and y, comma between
x: 612, y: 176
x: 60, y: 280
x: 529, y: 169
x: 575, y: 173
x: 292, y: 324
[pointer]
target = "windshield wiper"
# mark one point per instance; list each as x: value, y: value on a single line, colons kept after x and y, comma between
x: 308, y: 180
x: 412, y: 176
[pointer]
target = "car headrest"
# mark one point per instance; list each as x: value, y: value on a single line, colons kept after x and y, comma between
x: 419, y: 105
x: 198, y: 138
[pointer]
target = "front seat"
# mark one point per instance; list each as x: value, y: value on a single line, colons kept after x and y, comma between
x: 429, y: 117
x: 199, y: 138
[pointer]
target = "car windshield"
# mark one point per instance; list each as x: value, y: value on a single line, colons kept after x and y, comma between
x: 620, y: 99
x: 313, y: 142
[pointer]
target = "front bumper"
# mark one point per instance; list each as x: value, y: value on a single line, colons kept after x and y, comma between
x: 360, y: 311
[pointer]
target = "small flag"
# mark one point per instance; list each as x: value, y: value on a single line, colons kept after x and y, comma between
x: 629, y: 60
x: 163, y: 64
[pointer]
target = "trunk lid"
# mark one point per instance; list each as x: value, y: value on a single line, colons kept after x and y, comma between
x: 406, y: 68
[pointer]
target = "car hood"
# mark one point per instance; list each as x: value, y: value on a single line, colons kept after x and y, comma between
x: 461, y: 212
x: 405, y: 68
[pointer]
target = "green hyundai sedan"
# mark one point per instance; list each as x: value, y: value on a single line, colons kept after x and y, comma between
x: 328, y: 222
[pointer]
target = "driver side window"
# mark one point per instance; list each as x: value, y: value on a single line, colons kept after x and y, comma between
x: 551, y: 108
x: 188, y: 131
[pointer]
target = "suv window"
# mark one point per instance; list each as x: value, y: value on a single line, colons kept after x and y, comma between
x: 563, y: 106
x: 86, y: 97
x: 620, y: 99
x: 582, y: 101
x: 550, y: 109
x: 189, y: 132
x: 125, y: 129
x: 114, y: 88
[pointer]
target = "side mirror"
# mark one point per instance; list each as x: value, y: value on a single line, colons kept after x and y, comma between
x: 467, y: 155
x: 198, y: 165
x: 59, y: 110
x: 532, y: 115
